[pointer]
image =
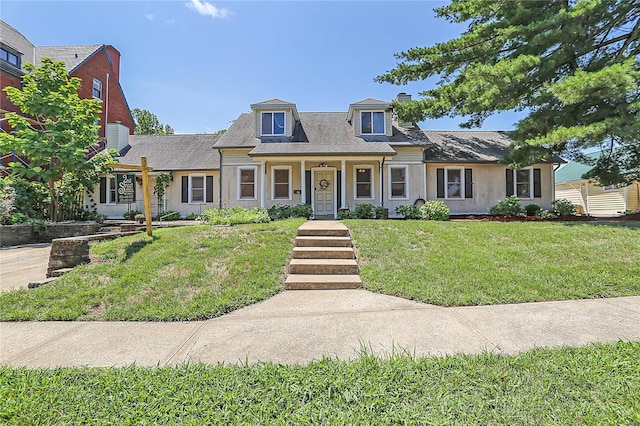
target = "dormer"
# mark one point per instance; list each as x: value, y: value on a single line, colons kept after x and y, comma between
x: 275, y: 118
x: 370, y: 117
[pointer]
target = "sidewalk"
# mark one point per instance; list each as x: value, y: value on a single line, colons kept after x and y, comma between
x: 299, y: 326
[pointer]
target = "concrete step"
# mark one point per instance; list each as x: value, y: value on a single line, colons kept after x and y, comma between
x: 323, y: 253
x: 309, y: 232
x: 323, y: 266
x: 322, y: 282
x: 108, y: 229
x: 307, y: 241
x: 36, y: 284
x: 60, y: 272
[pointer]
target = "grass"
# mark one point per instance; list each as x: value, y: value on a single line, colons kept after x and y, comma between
x: 185, y: 273
x: 596, y: 384
x: 481, y: 263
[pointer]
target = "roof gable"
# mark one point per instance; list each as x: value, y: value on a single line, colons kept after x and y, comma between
x: 368, y: 103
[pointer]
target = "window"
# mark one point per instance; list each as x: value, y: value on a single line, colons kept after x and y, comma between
x: 524, y: 183
x: 10, y: 57
x: 272, y: 123
x: 364, y: 182
x: 281, y: 178
x: 196, y: 189
x: 247, y: 183
x: 108, y: 190
x: 97, y: 89
x: 372, y: 122
x: 612, y: 187
x: 454, y: 183
x: 398, y: 182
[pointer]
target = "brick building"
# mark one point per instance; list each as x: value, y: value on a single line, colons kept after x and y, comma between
x: 97, y: 66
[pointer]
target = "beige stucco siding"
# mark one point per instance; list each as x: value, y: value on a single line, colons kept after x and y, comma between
x: 489, y: 187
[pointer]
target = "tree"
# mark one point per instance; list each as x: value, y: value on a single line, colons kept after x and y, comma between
x: 572, y: 65
x: 148, y: 124
x: 55, y: 132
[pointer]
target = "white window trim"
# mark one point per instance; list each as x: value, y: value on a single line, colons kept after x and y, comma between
x: 462, y: 184
x: 272, y: 123
x: 273, y: 182
x: 515, y: 183
x: 355, y: 182
x: 384, y: 123
x: 255, y: 182
x: 204, y: 189
x: 96, y: 80
x: 406, y: 182
x: 110, y: 201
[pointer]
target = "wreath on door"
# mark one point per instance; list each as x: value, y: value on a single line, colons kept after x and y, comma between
x: 324, y: 184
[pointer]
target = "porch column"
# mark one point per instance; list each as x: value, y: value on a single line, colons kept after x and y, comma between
x: 382, y: 181
x: 343, y: 184
x: 263, y: 178
x: 303, y: 179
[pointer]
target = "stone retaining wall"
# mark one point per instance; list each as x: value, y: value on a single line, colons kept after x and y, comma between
x: 15, y: 235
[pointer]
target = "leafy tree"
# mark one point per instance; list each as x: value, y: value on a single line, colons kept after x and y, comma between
x: 148, y: 124
x: 56, y: 131
x: 572, y: 65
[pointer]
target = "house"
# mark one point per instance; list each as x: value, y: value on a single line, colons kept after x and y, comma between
x: 332, y: 160
x: 97, y: 66
x: 190, y: 160
x: 589, y: 197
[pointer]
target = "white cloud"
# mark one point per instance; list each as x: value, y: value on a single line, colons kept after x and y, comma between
x: 149, y: 16
x: 207, y: 9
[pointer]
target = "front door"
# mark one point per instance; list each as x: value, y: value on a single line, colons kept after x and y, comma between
x: 323, y: 193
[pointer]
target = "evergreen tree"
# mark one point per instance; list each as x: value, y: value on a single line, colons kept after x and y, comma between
x: 572, y: 65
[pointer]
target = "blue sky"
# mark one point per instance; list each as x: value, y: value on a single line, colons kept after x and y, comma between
x: 198, y: 64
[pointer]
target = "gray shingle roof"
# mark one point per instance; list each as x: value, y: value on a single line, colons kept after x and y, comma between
x: 316, y: 133
x: 14, y: 39
x: 72, y: 56
x: 174, y: 152
x: 466, y: 146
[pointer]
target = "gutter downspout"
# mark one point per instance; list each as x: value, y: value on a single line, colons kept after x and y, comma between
x: 106, y: 112
x: 382, y: 181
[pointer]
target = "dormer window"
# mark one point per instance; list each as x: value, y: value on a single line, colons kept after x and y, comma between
x: 372, y: 122
x: 97, y: 89
x: 273, y: 123
x: 10, y: 57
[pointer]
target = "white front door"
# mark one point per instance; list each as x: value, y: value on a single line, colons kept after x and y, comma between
x: 323, y: 192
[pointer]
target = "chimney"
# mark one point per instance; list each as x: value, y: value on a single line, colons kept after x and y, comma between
x: 401, y: 98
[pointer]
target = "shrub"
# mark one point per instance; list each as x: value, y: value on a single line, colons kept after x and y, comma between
x: 170, y: 215
x: 302, y: 210
x: 280, y: 211
x: 409, y: 212
x: 346, y: 214
x: 435, y: 210
x: 29, y: 198
x: 235, y: 216
x: 545, y: 214
x: 379, y: 212
x: 510, y: 206
x: 7, y: 198
x: 131, y: 214
x: 563, y: 207
x: 192, y: 216
x: 531, y: 209
x: 365, y: 211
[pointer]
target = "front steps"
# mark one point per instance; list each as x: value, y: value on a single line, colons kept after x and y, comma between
x: 323, y: 258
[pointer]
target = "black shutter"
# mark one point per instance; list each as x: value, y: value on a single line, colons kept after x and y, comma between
x: 468, y: 183
x: 509, y: 182
x: 537, y: 184
x: 103, y: 190
x: 307, y: 183
x: 440, y: 183
x: 209, y: 185
x: 185, y: 189
x: 339, y: 187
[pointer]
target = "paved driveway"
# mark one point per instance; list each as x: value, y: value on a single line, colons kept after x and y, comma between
x: 21, y: 265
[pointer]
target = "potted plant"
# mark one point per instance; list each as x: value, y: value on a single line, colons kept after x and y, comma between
x: 139, y: 218
x: 100, y: 217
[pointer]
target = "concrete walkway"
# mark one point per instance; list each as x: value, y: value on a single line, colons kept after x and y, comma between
x: 20, y: 265
x: 299, y: 326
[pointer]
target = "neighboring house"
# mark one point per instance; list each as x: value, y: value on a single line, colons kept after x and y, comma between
x: 589, y: 197
x: 192, y: 162
x: 332, y: 160
x: 98, y: 66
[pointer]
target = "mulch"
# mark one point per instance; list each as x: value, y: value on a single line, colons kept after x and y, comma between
x: 572, y: 218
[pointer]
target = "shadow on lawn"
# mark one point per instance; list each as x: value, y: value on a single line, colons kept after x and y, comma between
x: 635, y: 225
x: 135, y: 247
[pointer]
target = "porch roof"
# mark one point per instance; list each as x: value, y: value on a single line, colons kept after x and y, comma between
x: 367, y: 148
x: 174, y: 152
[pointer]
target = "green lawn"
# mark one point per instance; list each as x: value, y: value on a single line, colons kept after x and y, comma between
x: 184, y: 273
x: 597, y: 384
x: 480, y: 263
